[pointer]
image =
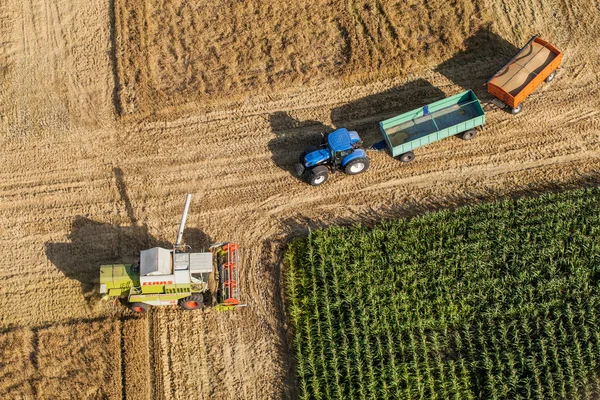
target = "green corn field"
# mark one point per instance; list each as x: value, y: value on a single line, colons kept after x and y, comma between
x: 494, y: 301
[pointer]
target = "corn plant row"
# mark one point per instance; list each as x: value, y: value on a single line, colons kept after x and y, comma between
x: 492, y: 301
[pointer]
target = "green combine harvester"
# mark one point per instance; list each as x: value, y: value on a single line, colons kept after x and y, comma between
x: 176, y: 276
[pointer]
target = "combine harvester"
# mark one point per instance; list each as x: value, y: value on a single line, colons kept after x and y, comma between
x: 176, y: 276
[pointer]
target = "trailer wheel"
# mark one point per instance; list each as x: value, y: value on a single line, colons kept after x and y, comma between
x: 192, y: 302
x: 407, y: 157
x: 357, y: 166
x: 550, y: 77
x: 138, y: 308
x: 516, y: 110
x: 468, y: 135
x: 318, y: 179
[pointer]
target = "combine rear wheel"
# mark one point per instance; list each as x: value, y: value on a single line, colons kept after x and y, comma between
x: 192, y: 302
x: 138, y: 308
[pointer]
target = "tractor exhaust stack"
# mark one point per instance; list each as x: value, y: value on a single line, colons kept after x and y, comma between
x: 186, y: 207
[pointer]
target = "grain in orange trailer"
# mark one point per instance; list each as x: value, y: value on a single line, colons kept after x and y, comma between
x: 536, y: 62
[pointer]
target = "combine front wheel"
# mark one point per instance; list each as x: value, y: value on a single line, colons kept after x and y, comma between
x: 192, y: 302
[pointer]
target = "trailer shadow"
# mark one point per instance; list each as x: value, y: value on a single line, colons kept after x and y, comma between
x: 364, y: 114
x: 484, y: 54
x: 292, y: 136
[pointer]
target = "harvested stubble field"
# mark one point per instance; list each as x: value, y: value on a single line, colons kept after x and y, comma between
x: 496, y: 301
x: 106, y: 121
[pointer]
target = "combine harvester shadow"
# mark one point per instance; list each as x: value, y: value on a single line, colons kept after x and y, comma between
x: 92, y: 243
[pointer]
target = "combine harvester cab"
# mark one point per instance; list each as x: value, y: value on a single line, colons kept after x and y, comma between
x: 170, y: 277
x: 535, y: 63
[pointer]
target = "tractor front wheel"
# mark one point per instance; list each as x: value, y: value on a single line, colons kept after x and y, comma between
x: 318, y: 179
x: 138, y: 308
x: 192, y: 302
x: 299, y: 169
x: 357, y: 166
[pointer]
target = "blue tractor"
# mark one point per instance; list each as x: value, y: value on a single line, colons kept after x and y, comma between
x: 341, y: 151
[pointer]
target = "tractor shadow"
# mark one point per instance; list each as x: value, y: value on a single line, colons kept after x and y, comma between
x: 484, y: 54
x: 292, y: 136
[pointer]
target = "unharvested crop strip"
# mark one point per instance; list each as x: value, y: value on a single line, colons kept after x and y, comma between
x: 450, y: 316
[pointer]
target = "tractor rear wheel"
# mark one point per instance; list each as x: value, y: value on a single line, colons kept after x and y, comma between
x: 192, y: 302
x: 139, y: 308
x: 357, y: 166
x: 468, y: 135
x: 407, y: 157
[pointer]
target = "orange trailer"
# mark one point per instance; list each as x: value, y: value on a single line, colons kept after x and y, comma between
x: 533, y: 64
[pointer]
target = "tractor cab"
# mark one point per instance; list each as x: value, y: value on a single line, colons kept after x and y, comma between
x: 341, y: 151
x: 341, y: 144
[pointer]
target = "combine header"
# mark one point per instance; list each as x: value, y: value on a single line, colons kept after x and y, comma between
x: 176, y: 276
x: 229, y: 294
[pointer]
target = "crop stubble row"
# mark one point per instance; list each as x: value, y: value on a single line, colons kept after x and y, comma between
x: 175, y: 52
